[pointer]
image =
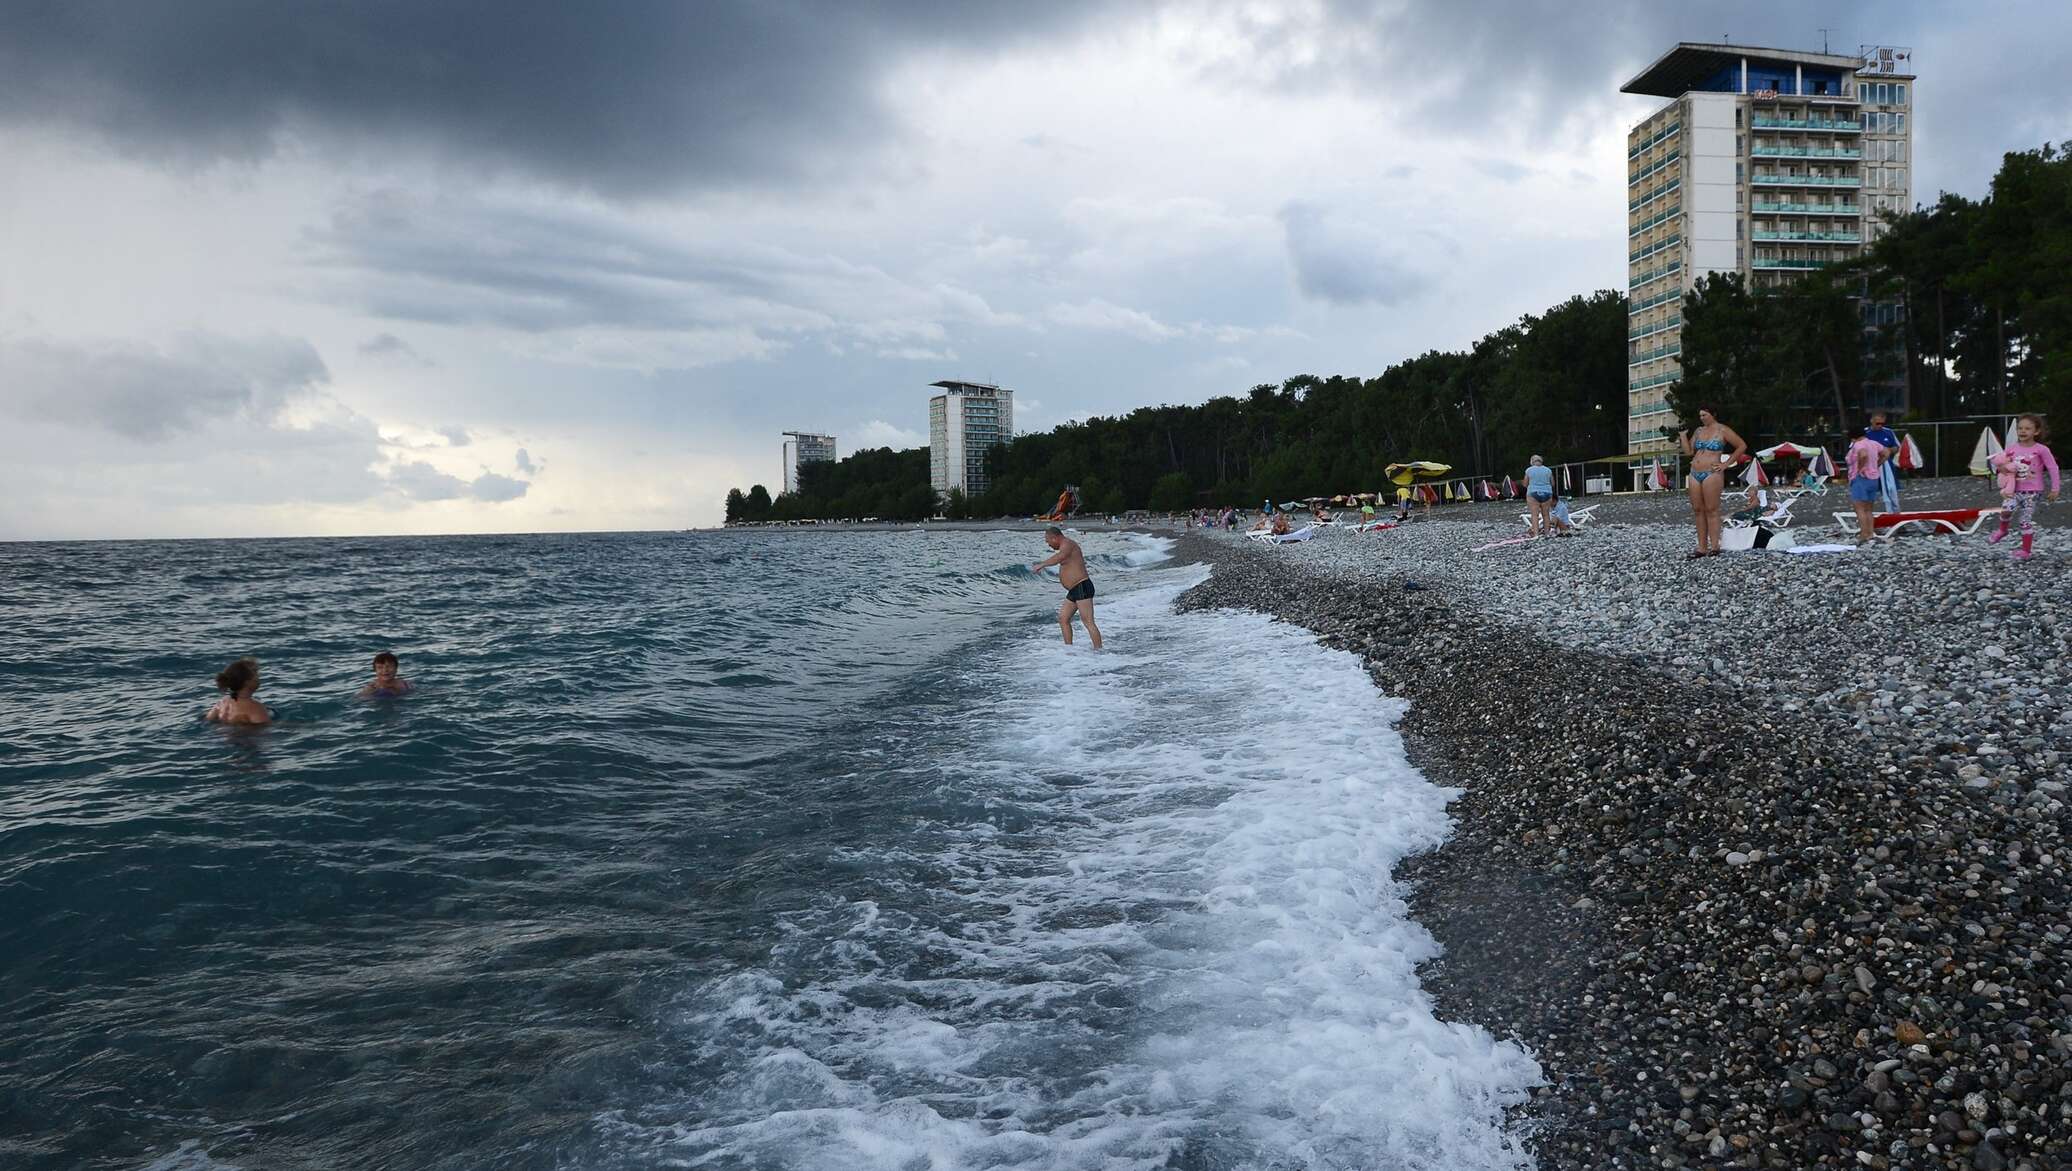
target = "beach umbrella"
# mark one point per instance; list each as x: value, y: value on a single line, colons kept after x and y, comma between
x: 1661, y: 476
x: 1787, y: 451
x: 1821, y: 465
x: 1909, y: 459
x: 1982, y: 455
x: 1427, y: 493
x: 1488, y: 490
x: 1415, y: 470
x: 1459, y: 491
x: 1755, y: 477
x: 1291, y: 506
x: 1510, y: 488
x: 1567, y: 485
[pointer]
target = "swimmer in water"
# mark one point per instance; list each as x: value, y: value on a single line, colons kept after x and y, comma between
x: 238, y: 681
x: 386, y: 684
x: 1079, y: 588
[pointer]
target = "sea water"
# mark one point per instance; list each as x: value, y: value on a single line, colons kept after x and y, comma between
x: 725, y: 850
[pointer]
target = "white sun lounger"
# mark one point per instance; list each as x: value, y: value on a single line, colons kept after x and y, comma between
x: 1956, y: 522
x: 1577, y: 517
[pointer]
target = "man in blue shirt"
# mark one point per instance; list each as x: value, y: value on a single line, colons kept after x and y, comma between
x: 1882, y: 435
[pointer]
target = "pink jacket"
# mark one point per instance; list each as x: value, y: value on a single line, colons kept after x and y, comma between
x: 2039, y: 459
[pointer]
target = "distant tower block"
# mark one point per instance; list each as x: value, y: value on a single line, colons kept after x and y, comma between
x: 1767, y: 162
x: 802, y: 447
x: 965, y: 422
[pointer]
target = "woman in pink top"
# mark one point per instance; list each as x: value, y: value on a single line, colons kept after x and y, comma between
x: 1866, y: 482
x: 2022, y: 468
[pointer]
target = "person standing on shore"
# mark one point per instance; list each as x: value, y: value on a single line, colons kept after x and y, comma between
x: 1865, y: 460
x: 2022, y: 469
x: 1707, y: 449
x: 237, y: 682
x: 1888, y: 468
x: 1539, y: 496
x: 1079, y: 587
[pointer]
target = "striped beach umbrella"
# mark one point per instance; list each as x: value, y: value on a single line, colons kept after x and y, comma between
x: 1755, y: 476
x: 1661, y: 476
x: 1510, y: 488
x: 1982, y: 455
x: 1909, y: 458
x: 1567, y: 485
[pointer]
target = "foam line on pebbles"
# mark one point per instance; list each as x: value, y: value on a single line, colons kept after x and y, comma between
x: 1747, y: 910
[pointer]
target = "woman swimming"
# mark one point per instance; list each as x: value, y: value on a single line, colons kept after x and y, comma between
x: 1708, y: 450
x: 237, y: 682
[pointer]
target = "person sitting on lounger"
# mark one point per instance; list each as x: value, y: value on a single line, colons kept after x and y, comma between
x: 1280, y: 524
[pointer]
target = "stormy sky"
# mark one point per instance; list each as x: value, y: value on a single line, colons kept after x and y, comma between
x: 397, y: 266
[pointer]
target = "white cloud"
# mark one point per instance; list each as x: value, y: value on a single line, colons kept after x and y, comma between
x: 1105, y: 316
x: 879, y: 433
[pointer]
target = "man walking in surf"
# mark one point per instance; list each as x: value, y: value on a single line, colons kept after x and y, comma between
x: 1079, y: 588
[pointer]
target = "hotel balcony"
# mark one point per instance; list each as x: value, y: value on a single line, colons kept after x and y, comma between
x: 1659, y: 137
x: 1811, y: 237
x: 1673, y: 267
x: 1657, y: 380
x: 1646, y: 303
x: 1665, y: 161
x: 1831, y: 125
x: 1638, y: 202
x: 1672, y: 350
x: 1656, y: 220
x: 1760, y: 207
x: 1662, y: 245
x: 1774, y: 150
x: 1800, y: 265
x: 1650, y: 330
x: 1785, y: 180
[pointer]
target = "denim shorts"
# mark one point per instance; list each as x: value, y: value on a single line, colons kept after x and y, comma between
x: 1866, y: 489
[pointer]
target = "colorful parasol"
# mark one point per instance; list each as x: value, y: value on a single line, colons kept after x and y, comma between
x: 1415, y: 470
x: 1755, y: 476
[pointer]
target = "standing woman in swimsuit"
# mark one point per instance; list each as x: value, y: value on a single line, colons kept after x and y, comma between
x: 1712, y: 449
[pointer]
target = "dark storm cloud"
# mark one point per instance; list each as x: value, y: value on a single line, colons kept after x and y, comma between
x: 151, y: 393
x: 628, y: 97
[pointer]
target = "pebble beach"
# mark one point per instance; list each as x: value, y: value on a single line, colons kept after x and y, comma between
x: 1764, y: 856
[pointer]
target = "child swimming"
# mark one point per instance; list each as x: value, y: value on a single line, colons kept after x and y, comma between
x: 386, y: 683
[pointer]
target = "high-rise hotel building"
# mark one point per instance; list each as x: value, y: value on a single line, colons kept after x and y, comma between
x: 965, y: 421
x: 804, y: 447
x: 1766, y: 162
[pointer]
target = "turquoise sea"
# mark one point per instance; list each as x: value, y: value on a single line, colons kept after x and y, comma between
x: 721, y: 850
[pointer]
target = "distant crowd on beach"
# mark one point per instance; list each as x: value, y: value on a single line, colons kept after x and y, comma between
x: 239, y: 683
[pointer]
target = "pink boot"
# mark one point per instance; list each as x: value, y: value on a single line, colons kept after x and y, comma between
x: 1999, y: 534
x: 2026, y: 552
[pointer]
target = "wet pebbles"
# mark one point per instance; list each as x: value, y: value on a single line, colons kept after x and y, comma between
x: 1764, y: 856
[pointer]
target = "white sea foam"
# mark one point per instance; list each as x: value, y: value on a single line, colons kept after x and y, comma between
x: 1193, y: 954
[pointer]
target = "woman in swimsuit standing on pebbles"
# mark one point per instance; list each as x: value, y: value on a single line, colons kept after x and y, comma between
x: 1707, y: 449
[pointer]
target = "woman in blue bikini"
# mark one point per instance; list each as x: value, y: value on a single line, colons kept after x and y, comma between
x: 1708, y: 450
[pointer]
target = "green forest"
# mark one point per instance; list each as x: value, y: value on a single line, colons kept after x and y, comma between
x: 1963, y: 307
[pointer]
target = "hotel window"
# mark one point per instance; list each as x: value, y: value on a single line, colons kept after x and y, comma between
x: 1899, y: 95
x: 1737, y: 117
x: 1899, y: 124
x: 1899, y: 177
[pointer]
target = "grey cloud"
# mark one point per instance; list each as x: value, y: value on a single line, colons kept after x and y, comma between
x: 1346, y: 263
x: 455, y: 435
x: 637, y: 97
x: 419, y: 480
x: 151, y: 393
x: 1502, y: 169
x: 526, y: 464
x: 540, y: 269
x: 390, y: 348
x: 496, y: 489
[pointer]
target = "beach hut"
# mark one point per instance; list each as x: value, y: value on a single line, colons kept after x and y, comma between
x: 1982, y: 455
x: 1909, y: 458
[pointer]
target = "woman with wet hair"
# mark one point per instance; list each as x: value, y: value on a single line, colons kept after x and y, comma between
x: 237, y: 682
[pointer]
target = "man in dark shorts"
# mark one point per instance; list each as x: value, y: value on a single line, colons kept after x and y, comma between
x: 1079, y: 588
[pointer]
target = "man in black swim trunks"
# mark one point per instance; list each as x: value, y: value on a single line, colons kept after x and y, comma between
x: 1079, y: 588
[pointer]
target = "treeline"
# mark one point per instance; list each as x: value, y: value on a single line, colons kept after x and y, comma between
x: 1552, y: 384
x: 877, y: 482
x: 1962, y: 308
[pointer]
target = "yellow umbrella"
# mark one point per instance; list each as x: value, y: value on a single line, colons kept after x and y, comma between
x: 1414, y: 471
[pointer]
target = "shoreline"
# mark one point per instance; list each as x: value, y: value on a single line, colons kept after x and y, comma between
x: 1736, y: 931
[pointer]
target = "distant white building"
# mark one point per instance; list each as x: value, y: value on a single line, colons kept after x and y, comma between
x: 802, y: 447
x: 965, y: 421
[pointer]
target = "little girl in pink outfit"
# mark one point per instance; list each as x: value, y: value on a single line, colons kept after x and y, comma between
x: 2022, y: 467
